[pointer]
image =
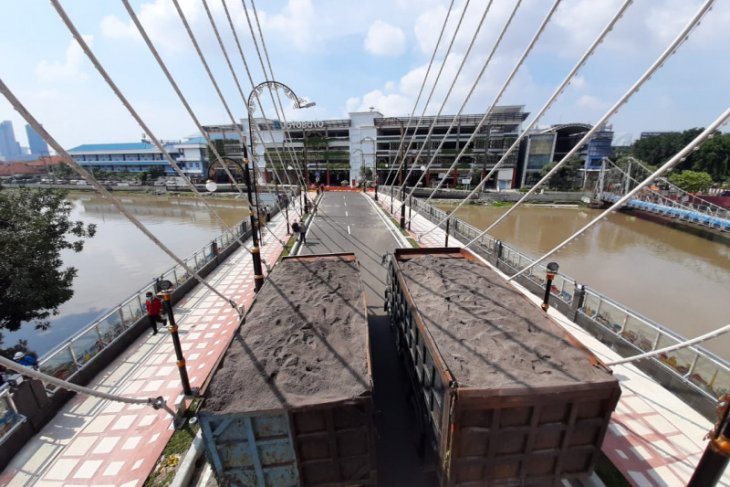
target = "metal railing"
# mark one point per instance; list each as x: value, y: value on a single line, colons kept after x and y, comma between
x: 71, y: 355
x: 696, y: 367
x: 664, y: 206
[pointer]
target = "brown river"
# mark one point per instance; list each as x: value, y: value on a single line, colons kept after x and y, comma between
x: 674, y: 278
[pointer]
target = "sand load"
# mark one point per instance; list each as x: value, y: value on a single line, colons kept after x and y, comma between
x: 290, y: 402
x: 505, y: 396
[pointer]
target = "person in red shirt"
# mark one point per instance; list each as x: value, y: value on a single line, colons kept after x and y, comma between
x: 154, y: 308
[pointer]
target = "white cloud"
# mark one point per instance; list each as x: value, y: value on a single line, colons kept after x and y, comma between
x: 68, y: 69
x: 161, y: 22
x: 578, y: 82
x: 590, y: 102
x: 384, y: 39
x: 295, y: 23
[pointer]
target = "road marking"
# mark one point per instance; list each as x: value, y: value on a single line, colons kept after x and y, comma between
x: 348, y: 230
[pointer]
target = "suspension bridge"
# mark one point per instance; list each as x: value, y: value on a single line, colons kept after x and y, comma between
x: 82, y: 443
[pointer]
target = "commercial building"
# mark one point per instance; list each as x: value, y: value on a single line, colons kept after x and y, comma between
x: 38, y: 146
x: 9, y: 147
x: 137, y: 157
x: 544, y: 146
x: 345, y: 151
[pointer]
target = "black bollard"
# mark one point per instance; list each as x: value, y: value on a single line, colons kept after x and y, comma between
x: 167, y: 298
x: 713, y: 462
x: 552, y: 269
x: 448, y: 221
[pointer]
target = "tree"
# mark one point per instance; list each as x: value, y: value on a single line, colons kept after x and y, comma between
x: 34, y: 229
x: 691, y: 181
x: 568, y: 177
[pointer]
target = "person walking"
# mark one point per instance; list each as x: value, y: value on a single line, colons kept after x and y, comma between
x: 154, y: 308
x: 302, y: 232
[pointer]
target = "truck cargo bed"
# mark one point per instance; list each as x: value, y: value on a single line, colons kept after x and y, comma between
x: 290, y: 402
x: 506, y: 396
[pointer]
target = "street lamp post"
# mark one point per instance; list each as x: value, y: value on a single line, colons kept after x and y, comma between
x: 212, y: 186
x: 251, y: 107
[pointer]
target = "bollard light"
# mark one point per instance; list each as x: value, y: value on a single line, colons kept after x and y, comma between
x: 167, y: 300
x: 211, y: 186
x: 552, y: 269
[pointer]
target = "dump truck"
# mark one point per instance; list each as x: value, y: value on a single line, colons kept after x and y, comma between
x: 503, y: 394
x: 290, y: 402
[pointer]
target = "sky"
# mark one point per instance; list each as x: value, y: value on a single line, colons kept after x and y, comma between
x: 350, y: 55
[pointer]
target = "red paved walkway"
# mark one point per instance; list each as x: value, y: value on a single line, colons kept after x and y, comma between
x: 98, y: 442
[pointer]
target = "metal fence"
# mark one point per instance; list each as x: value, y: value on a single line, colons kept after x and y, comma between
x: 696, y: 367
x: 71, y: 355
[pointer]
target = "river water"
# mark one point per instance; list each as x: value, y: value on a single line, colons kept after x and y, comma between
x: 119, y: 260
x: 677, y: 279
x: 672, y: 277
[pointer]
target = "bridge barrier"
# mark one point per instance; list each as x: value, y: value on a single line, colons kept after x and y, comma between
x: 696, y: 375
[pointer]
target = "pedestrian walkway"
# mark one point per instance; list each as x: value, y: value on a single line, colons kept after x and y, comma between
x: 97, y: 442
x: 654, y: 438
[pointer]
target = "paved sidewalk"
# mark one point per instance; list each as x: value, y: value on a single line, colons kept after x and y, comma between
x: 98, y: 442
x: 654, y: 438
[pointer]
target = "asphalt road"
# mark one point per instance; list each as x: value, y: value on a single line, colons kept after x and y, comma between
x: 349, y: 222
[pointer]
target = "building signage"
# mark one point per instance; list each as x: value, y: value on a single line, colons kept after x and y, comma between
x: 304, y: 125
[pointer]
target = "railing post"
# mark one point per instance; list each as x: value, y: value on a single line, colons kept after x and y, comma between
x: 579, y: 296
x: 448, y: 222
x: 498, y: 253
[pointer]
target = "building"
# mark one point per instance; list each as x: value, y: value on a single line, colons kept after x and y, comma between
x: 9, y: 147
x: 137, y: 157
x: 346, y: 151
x: 38, y: 146
x: 646, y: 135
x: 544, y: 146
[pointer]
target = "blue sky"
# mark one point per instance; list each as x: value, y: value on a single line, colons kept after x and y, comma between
x: 349, y: 55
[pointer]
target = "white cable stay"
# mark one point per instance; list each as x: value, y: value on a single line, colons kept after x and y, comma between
x: 486, y: 63
x: 279, y: 110
x: 294, y: 159
x: 669, y: 51
x: 721, y: 120
x: 453, y: 83
x: 190, y: 111
x: 155, y: 402
x: 494, y: 102
x: 94, y: 60
x: 69, y: 161
x: 688, y: 343
x: 420, y: 90
x: 428, y: 99
x: 252, y: 156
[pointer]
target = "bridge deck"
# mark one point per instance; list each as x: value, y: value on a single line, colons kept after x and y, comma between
x: 654, y: 438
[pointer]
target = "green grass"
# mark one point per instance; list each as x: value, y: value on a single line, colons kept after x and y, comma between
x: 501, y: 204
x: 287, y: 248
x: 175, y: 449
x: 413, y: 243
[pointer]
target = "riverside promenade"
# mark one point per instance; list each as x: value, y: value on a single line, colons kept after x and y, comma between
x: 96, y: 442
x: 654, y: 439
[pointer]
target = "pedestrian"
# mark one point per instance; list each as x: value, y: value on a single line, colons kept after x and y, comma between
x: 302, y: 232
x: 28, y: 359
x: 268, y: 213
x: 154, y: 308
